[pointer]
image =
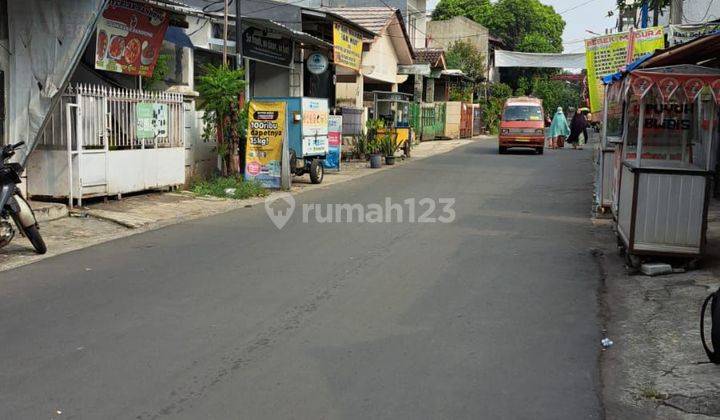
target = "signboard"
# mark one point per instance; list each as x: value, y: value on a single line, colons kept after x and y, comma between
x: 152, y: 120
x: 332, y: 159
x: 263, y: 45
x: 680, y: 34
x: 317, y: 63
x: 128, y: 38
x: 347, y: 49
x: 315, y: 116
x: 419, y: 69
x: 266, y: 134
x: 605, y: 55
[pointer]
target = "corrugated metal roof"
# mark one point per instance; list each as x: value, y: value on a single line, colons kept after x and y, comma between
x: 374, y: 19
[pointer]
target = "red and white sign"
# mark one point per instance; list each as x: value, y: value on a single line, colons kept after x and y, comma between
x: 129, y: 36
x: 640, y: 82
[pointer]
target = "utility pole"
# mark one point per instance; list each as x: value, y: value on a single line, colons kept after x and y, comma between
x: 656, y: 13
x: 225, y: 32
x: 676, y: 11
x: 238, y: 35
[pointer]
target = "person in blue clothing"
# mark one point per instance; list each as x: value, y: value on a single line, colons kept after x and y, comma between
x: 558, y: 128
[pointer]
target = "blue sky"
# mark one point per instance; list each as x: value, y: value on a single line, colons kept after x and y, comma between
x: 579, y: 15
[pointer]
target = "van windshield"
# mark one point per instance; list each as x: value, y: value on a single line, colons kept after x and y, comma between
x: 522, y: 113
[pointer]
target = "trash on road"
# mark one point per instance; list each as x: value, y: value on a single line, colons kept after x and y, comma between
x: 656, y: 269
x: 606, y: 343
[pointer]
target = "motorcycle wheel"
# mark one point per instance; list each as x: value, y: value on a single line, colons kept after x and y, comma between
x: 33, y: 235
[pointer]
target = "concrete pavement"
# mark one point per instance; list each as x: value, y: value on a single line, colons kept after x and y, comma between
x: 491, y: 316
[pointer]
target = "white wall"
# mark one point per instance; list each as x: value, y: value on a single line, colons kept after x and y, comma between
x: 698, y: 11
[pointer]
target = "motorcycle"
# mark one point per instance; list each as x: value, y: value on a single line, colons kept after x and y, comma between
x: 13, y: 205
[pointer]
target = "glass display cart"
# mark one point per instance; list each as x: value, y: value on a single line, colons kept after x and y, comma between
x: 394, y: 109
x: 669, y: 140
x: 609, y: 149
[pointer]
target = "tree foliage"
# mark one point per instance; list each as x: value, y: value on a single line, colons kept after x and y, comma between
x: 465, y: 56
x: 497, y: 94
x: 555, y: 93
x: 220, y: 89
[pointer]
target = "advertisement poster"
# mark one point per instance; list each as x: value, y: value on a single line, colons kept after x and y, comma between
x: 347, y: 50
x: 266, y: 46
x: 152, y: 120
x: 605, y: 55
x: 266, y: 133
x: 315, y: 115
x: 332, y: 161
x: 129, y: 36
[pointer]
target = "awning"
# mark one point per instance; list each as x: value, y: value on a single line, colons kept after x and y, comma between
x: 299, y: 36
x: 539, y: 60
x: 178, y: 37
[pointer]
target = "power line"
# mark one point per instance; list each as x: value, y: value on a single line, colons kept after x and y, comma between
x: 575, y: 7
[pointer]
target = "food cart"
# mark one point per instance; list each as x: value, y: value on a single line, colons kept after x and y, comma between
x: 307, y: 134
x: 669, y: 140
x: 394, y: 109
x: 609, y: 148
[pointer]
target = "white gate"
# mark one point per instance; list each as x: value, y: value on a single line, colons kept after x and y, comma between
x: 108, y: 148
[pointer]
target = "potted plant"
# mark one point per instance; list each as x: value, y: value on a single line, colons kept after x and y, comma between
x: 389, y: 147
x: 374, y: 142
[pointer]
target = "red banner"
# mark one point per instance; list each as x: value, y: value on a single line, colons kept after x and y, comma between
x: 129, y: 36
x: 668, y: 84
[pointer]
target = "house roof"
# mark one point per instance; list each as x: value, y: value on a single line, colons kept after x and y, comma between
x: 433, y: 56
x: 374, y: 19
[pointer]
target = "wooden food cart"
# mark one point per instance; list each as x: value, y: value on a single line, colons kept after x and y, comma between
x: 669, y: 139
x: 394, y: 109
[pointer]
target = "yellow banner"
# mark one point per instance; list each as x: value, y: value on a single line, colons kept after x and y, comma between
x: 605, y: 55
x: 347, y: 50
x: 266, y: 133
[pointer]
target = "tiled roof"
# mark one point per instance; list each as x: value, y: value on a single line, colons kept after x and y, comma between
x: 374, y: 19
x: 428, y: 55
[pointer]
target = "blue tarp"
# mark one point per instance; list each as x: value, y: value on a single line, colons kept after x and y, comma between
x: 178, y: 37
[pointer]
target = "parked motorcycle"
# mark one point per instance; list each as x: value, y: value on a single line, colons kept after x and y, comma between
x: 13, y: 205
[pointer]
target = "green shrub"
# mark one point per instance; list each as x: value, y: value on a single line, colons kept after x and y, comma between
x: 216, y: 187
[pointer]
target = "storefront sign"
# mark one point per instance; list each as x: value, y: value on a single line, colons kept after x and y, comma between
x: 680, y: 34
x: 128, y: 38
x: 262, y: 45
x: 684, y: 87
x: 315, y: 116
x: 332, y: 160
x: 152, y: 120
x: 266, y: 134
x: 317, y: 63
x: 607, y: 54
x: 347, y: 50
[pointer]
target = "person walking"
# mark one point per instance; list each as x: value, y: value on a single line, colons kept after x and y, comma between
x: 578, y: 125
x: 559, y: 128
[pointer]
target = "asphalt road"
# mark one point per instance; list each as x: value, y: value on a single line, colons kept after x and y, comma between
x: 491, y: 316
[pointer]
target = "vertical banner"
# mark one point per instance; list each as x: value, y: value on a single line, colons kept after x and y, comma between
x: 265, y: 138
x: 334, y: 154
x: 129, y: 36
x: 606, y: 55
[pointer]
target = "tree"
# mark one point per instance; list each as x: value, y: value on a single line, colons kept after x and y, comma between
x: 555, y: 93
x: 448, y: 9
x: 465, y: 56
x: 220, y: 90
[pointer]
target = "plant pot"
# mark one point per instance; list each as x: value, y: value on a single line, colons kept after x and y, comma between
x: 389, y: 160
x: 375, y: 161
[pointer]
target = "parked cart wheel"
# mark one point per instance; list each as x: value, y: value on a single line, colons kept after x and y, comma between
x: 632, y: 263
x: 317, y: 172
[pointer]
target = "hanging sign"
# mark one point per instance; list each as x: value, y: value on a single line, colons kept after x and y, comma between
x: 152, y: 120
x: 129, y: 36
x: 317, y: 63
x: 347, y: 47
x: 263, y: 45
x: 332, y: 159
x: 667, y: 84
x: 265, y: 137
x: 605, y: 55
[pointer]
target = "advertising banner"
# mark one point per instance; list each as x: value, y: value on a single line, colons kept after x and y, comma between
x: 332, y: 160
x: 607, y: 54
x: 315, y: 115
x: 680, y: 34
x: 266, y: 134
x: 129, y: 36
x: 152, y: 120
x: 347, y: 50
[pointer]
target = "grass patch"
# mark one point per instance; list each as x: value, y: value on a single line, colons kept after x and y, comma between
x: 217, y: 187
x: 650, y: 393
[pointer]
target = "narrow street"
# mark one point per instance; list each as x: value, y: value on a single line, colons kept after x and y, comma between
x: 492, y: 316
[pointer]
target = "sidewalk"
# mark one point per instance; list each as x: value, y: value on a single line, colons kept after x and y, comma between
x: 104, y: 221
x: 657, y: 368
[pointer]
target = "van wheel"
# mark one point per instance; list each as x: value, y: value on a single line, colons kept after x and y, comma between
x: 540, y: 150
x: 502, y: 150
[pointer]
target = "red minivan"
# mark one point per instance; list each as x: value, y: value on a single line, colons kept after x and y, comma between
x: 522, y: 124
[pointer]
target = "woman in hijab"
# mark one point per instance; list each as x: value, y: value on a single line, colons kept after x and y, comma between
x: 558, y: 128
x: 578, y: 125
